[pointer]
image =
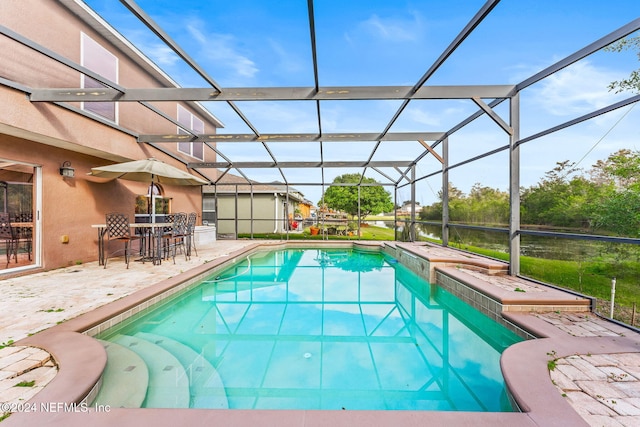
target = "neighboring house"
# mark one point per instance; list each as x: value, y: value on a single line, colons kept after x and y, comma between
x: 407, y: 208
x: 243, y: 207
x: 55, y: 44
x: 306, y: 207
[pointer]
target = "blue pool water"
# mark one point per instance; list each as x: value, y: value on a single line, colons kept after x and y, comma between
x: 318, y: 329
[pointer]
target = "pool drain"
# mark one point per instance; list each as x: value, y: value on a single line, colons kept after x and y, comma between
x: 307, y: 355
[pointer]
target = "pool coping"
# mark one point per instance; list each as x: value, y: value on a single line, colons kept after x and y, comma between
x: 524, y: 368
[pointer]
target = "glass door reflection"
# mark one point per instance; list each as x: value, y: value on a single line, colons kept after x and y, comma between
x: 17, y: 200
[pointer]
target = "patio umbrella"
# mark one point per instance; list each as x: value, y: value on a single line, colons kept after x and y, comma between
x: 147, y: 170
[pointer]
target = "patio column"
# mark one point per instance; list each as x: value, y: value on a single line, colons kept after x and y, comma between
x: 359, y: 224
x: 412, y: 230
x: 514, y: 187
x: 251, y: 207
x: 395, y: 212
x: 286, y: 214
x: 445, y: 192
x: 236, y: 213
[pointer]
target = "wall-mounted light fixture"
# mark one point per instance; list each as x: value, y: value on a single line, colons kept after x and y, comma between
x: 66, y: 170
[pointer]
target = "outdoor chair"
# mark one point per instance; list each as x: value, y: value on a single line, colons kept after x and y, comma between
x: 177, y: 236
x: 25, y: 233
x: 191, y: 227
x: 8, y: 234
x: 166, y: 234
x: 118, y: 228
x: 142, y: 233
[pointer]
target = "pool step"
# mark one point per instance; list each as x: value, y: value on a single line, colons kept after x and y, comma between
x: 168, y: 383
x: 207, y: 390
x: 125, y: 378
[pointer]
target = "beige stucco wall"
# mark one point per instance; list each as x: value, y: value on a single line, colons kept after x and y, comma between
x: 60, y: 31
x: 46, y: 135
x: 71, y: 205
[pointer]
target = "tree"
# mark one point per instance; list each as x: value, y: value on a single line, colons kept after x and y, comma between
x: 618, y: 210
x: 622, y: 169
x: 433, y: 212
x: 483, y: 205
x: 488, y: 205
x: 559, y: 199
x: 374, y: 199
x: 632, y: 83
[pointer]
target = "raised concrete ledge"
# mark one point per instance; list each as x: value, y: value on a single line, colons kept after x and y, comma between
x: 547, y: 299
x: 451, y: 257
x: 433, y: 255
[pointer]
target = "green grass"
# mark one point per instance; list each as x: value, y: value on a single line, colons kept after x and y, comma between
x: 377, y: 233
x: 590, y: 277
x: 387, y: 218
x: 595, y: 280
x: 368, y: 233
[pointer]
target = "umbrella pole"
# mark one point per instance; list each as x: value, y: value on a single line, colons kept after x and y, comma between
x: 148, y: 231
x: 150, y: 254
x: 151, y: 199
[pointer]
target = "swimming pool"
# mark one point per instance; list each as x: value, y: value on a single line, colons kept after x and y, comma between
x: 311, y: 329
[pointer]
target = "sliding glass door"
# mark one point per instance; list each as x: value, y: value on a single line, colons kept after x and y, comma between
x: 19, y: 197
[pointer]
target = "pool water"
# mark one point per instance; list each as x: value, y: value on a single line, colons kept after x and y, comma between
x: 313, y: 329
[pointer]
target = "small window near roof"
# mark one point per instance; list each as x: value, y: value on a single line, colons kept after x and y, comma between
x: 190, y: 122
x: 99, y: 60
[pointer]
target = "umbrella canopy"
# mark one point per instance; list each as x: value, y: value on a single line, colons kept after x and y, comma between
x: 147, y: 170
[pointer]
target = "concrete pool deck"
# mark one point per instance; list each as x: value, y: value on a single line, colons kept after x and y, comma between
x: 596, y: 379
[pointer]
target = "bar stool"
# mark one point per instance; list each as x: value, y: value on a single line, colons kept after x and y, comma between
x: 118, y: 228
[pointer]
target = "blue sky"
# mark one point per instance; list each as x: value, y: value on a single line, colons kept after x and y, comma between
x: 248, y: 43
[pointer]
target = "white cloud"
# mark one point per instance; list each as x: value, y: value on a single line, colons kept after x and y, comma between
x: 286, y: 62
x: 389, y: 29
x: 578, y: 89
x: 437, y: 119
x: 273, y: 117
x: 162, y: 54
x: 424, y: 118
x: 149, y: 45
x: 221, y: 50
x: 394, y: 29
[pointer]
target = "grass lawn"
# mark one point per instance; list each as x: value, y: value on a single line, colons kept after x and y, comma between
x: 367, y: 233
x: 592, y: 278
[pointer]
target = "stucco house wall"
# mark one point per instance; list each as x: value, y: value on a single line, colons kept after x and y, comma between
x: 45, y: 135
